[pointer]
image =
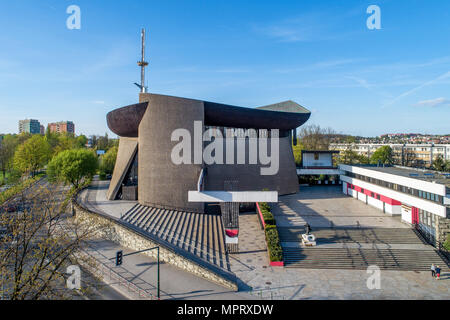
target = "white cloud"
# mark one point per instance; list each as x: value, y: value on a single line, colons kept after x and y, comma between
x: 98, y: 102
x: 423, y: 85
x: 433, y: 102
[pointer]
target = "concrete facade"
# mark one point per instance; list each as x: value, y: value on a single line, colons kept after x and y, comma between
x: 161, y: 182
x: 126, y: 152
x: 164, y: 184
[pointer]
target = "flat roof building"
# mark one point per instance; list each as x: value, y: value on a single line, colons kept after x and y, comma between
x: 29, y: 126
x: 62, y: 127
x: 420, y: 197
x: 421, y: 155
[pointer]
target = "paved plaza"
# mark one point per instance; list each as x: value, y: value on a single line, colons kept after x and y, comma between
x: 325, y: 206
x: 251, y: 265
x: 318, y: 206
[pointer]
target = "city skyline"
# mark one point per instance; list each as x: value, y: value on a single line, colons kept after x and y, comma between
x: 355, y: 80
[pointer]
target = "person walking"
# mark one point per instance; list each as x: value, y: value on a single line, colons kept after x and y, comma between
x: 308, y: 228
x: 438, y: 273
x: 433, y: 270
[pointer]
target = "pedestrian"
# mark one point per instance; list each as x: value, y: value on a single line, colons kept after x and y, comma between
x: 438, y: 273
x: 308, y: 229
x: 433, y: 270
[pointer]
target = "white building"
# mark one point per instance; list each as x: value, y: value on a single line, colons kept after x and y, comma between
x: 317, y: 163
x: 422, y: 153
x: 420, y: 197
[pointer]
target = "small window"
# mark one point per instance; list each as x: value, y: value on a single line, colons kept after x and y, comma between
x: 373, y: 195
x: 378, y: 197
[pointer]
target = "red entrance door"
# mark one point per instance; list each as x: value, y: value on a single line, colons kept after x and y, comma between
x: 414, y: 215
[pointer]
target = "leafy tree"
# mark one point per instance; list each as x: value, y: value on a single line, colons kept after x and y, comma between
x: 72, y: 166
x: 81, y: 141
x: 7, y: 148
x: 41, y: 242
x: 103, y: 143
x: 447, y: 243
x: 383, y: 155
x: 51, y: 138
x: 439, y: 163
x: 32, y: 155
x: 298, y: 153
x: 108, y: 160
x: 65, y: 142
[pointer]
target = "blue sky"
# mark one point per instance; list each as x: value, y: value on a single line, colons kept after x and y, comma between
x: 248, y: 53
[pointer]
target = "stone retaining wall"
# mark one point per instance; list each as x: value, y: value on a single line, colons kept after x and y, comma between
x: 116, y: 232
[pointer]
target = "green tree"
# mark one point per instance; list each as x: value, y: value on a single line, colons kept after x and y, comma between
x: 65, y: 142
x: 298, y: 153
x: 51, y: 138
x: 32, y: 155
x: 383, y: 155
x: 447, y: 166
x: 348, y: 156
x: 7, y: 148
x: 72, y: 166
x: 81, y: 141
x: 108, y: 160
x: 439, y: 163
x: 447, y: 243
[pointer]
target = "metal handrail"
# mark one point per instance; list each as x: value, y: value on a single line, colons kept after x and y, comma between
x: 113, y: 275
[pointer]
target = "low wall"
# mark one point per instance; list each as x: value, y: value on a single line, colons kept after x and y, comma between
x: 126, y: 236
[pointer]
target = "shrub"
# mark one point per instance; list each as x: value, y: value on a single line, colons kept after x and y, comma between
x: 102, y: 175
x: 268, y: 217
x: 273, y: 243
x: 264, y: 206
x: 447, y: 243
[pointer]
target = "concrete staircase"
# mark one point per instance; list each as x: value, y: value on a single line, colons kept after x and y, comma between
x: 351, y: 258
x: 353, y: 248
x: 199, y: 234
x: 354, y: 235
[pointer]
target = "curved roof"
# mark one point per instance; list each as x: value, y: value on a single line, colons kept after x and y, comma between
x: 285, y: 116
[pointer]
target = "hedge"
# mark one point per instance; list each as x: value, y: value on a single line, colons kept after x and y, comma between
x: 271, y: 232
x: 273, y: 244
x: 268, y: 217
x: 264, y: 206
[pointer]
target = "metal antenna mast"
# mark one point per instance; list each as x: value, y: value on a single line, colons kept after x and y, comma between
x: 142, y: 64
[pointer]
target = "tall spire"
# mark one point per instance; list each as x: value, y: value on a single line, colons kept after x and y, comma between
x: 142, y: 64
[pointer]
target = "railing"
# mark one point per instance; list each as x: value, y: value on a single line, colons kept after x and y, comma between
x: 121, y: 281
x: 213, y: 267
x: 444, y: 253
x: 107, y: 271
